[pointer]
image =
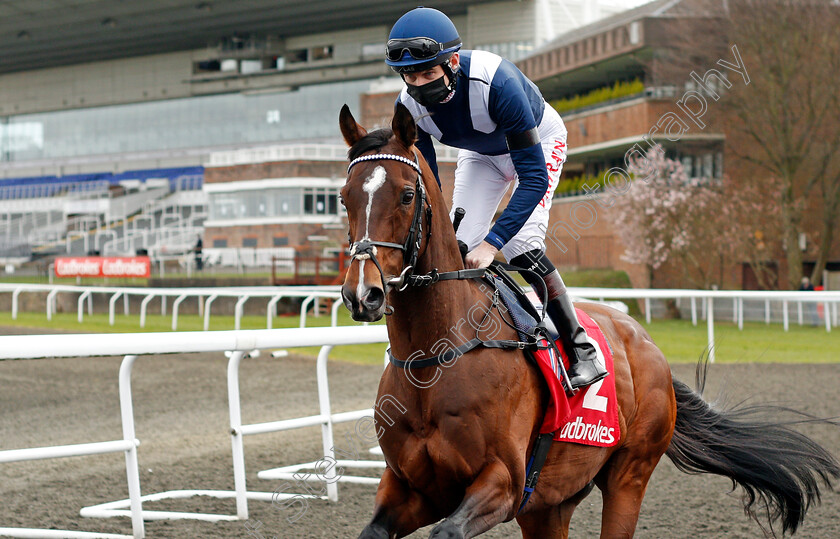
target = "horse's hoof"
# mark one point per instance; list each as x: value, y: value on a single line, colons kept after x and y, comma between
x: 446, y: 530
x: 374, y: 531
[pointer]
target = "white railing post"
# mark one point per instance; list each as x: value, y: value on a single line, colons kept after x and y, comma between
x: 327, y: 426
x: 143, y: 306
x: 767, y: 311
x: 304, y: 306
x: 269, y: 312
x: 51, y: 307
x: 85, y: 295
x: 334, y: 315
x: 799, y: 309
x: 239, y: 482
x: 131, y: 464
x: 827, y: 315
x: 175, y: 306
x: 238, y: 311
x: 647, y: 310
x: 112, y: 308
x: 207, y: 305
x: 693, y: 311
x: 785, y: 314
x: 15, y: 296
x: 741, y: 313
x: 710, y: 326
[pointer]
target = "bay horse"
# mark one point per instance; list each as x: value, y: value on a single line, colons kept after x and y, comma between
x: 456, y: 434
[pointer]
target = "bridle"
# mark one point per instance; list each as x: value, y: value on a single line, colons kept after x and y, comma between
x: 366, y: 249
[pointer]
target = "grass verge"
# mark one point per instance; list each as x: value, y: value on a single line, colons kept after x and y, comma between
x: 679, y: 340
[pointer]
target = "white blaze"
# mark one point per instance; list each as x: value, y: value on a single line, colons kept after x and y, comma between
x: 371, y: 186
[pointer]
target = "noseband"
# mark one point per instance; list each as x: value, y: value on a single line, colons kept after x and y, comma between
x: 366, y: 249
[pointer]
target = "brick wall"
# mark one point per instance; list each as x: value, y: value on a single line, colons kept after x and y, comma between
x: 377, y: 110
x: 581, y: 237
x: 285, y: 169
x: 616, y: 122
x: 296, y: 235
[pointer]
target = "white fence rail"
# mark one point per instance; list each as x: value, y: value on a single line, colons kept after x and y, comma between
x: 708, y: 300
x: 205, y: 297
x: 133, y: 345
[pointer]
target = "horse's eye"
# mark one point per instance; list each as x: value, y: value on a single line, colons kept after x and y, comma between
x: 407, y: 197
x: 341, y: 200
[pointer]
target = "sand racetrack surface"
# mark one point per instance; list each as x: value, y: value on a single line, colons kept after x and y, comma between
x: 181, y: 411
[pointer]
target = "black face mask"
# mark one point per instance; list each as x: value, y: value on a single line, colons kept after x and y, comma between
x: 431, y: 93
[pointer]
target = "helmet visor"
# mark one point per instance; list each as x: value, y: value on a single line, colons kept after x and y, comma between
x: 419, y: 48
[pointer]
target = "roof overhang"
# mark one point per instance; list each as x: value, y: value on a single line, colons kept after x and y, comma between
x: 36, y: 34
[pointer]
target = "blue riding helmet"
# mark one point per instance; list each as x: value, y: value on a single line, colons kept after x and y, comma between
x: 421, y: 39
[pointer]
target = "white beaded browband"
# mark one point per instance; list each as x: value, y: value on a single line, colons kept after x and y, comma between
x: 378, y: 156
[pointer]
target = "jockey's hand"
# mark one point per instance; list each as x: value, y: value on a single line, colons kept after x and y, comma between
x: 481, y: 256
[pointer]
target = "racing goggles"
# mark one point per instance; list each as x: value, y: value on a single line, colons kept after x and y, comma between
x: 420, y: 48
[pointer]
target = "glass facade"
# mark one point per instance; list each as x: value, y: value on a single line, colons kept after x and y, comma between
x: 274, y: 202
x: 310, y: 112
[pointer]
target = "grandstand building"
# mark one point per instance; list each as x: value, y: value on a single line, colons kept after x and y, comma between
x: 140, y: 126
x: 122, y: 125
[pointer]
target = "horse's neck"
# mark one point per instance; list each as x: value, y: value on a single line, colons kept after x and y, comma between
x: 427, y: 321
x: 425, y: 318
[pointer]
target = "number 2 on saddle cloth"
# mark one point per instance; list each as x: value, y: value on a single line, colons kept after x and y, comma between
x: 588, y: 417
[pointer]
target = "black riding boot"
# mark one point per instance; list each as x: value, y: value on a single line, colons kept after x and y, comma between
x: 584, y: 367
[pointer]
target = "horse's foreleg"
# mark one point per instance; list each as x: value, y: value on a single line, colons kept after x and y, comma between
x: 487, y: 502
x: 552, y: 522
x: 548, y: 523
x: 398, y: 511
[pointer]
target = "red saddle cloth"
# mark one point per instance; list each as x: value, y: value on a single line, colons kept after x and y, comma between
x: 591, y: 416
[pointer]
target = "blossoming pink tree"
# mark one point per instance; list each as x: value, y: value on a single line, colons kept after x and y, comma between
x: 696, y: 225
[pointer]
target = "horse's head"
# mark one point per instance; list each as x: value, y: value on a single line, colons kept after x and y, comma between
x: 387, y: 207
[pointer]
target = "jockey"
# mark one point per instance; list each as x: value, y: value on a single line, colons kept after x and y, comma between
x: 483, y: 105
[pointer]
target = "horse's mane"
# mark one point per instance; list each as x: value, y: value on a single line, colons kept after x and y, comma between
x: 372, y: 141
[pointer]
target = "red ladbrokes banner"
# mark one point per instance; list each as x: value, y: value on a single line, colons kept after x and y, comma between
x: 103, y: 266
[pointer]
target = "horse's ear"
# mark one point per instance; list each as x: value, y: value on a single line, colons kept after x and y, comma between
x: 351, y: 130
x: 403, y: 126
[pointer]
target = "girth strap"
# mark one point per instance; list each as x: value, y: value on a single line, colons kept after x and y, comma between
x: 535, y: 464
x: 454, y: 353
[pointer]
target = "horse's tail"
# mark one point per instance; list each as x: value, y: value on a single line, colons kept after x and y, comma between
x: 777, y: 467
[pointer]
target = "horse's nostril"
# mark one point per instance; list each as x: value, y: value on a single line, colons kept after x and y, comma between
x: 374, y: 299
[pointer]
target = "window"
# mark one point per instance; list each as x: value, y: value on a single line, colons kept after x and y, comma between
x: 280, y: 241
x: 296, y: 56
x: 686, y: 163
x: 207, y: 66
x: 320, y: 201
x: 286, y: 201
x: 249, y: 242
x: 708, y: 165
x: 321, y: 53
x: 250, y: 66
x: 219, y: 243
